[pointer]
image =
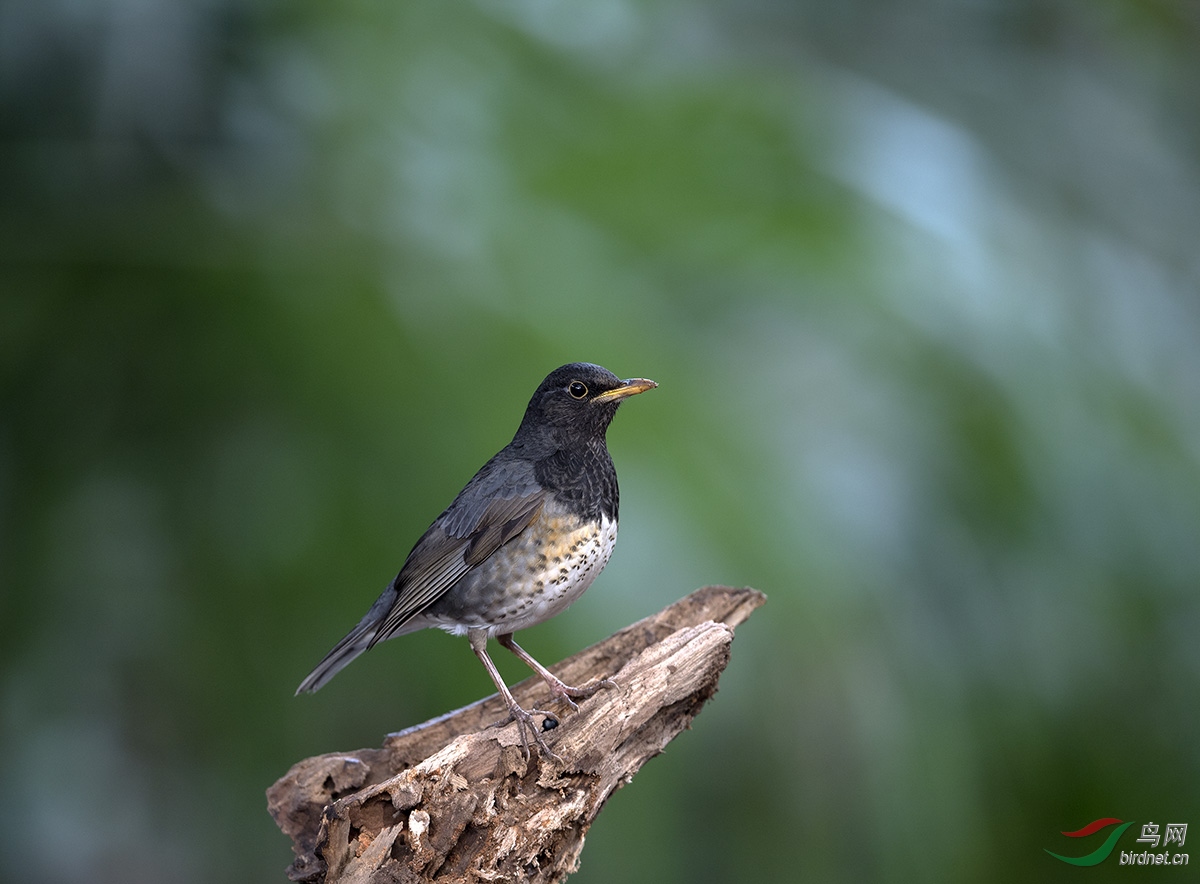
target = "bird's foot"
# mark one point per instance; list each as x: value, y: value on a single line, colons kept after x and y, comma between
x: 527, y: 728
x: 568, y: 694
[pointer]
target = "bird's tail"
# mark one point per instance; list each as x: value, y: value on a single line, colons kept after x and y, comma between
x: 356, y: 641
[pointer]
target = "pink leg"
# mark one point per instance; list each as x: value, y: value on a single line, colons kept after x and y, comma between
x: 560, y: 689
x: 524, y: 720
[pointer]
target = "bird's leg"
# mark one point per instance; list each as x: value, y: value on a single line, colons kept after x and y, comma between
x: 524, y: 719
x: 560, y: 689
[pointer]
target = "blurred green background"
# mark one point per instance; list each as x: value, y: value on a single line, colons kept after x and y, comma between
x: 918, y: 282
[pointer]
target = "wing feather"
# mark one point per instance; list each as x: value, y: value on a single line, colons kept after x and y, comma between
x: 503, y: 504
x: 501, y: 501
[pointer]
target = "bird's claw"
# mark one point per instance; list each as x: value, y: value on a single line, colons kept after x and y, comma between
x: 568, y: 694
x: 564, y: 693
x: 527, y: 729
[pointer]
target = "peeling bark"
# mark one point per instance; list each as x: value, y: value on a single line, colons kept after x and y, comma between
x: 454, y: 800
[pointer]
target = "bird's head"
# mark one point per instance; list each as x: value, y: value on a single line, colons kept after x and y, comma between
x: 579, y: 400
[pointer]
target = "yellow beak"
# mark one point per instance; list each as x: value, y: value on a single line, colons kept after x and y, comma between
x: 631, y: 387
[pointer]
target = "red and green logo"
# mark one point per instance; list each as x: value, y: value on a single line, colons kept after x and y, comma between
x: 1153, y: 855
x: 1100, y: 854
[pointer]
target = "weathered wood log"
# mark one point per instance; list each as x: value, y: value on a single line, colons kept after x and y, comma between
x: 455, y: 800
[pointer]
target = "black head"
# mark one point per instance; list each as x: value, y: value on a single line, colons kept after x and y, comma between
x: 577, y: 402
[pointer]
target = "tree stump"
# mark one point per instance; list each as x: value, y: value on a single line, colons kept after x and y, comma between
x: 455, y: 800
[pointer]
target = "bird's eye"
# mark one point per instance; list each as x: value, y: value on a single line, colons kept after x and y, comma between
x: 577, y: 389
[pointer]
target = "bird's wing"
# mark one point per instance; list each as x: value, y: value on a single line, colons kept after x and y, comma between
x: 496, y: 506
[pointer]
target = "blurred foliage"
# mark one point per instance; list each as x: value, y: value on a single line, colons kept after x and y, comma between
x: 918, y: 281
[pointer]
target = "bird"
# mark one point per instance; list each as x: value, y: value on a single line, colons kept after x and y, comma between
x: 521, y: 542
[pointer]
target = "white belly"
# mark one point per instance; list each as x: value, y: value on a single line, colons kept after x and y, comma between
x: 524, y: 590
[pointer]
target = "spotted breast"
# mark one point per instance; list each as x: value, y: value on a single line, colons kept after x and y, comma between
x: 530, y: 579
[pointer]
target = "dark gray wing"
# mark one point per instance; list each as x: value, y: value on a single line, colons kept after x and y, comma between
x: 477, y: 524
x: 498, y: 504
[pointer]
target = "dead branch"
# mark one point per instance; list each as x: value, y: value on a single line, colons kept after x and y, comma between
x: 454, y: 800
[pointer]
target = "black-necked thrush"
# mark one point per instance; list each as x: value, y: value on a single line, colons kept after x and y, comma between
x: 521, y: 542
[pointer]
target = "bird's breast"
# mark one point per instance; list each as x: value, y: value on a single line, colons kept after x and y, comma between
x: 533, y: 577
